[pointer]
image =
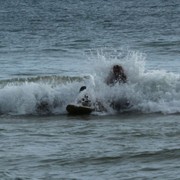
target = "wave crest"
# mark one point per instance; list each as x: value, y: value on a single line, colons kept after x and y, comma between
x: 148, y: 91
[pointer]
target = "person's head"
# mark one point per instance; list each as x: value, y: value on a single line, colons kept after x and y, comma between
x: 82, y: 88
x: 117, y: 70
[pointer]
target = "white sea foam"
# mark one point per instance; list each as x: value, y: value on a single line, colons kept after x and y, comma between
x: 148, y: 91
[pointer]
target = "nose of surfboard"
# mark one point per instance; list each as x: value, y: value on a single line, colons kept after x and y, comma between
x: 78, y: 110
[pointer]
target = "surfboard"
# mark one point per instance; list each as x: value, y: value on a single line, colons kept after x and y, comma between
x: 74, y: 109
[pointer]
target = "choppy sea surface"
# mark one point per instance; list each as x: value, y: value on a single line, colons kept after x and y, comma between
x: 49, y: 49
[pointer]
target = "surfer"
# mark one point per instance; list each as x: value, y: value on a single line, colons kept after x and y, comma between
x: 116, y: 75
x: 83, y: 97
x: 83, y: 103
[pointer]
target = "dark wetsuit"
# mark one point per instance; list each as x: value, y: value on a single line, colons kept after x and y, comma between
x: 113, y: 79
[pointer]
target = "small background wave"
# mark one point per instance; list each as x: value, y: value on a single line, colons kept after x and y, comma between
x: 53, y: 80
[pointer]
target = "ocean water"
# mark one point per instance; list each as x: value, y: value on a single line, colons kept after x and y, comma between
x: 49, y: 49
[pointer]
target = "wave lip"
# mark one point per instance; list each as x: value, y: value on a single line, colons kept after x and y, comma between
x: 53, y: 79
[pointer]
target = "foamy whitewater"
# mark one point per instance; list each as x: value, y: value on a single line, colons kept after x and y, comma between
x: 148, y: 91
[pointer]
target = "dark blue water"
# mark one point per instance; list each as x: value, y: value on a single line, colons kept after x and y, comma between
x: 48, y: 49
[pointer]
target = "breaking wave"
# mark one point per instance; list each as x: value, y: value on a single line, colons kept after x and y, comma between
x: 148, y: 91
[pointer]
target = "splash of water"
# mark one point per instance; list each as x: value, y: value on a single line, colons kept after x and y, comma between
x: 148, y: 91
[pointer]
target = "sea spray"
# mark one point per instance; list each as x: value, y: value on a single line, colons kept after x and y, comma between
x: 24, y: 98
x: 147, y: 91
